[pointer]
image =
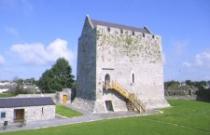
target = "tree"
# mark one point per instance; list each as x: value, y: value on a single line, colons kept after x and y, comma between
x: 189, y: 82
x: 56, y: 78
x: 172, y: 85
x: 201, y: 85
x: 19, y: 87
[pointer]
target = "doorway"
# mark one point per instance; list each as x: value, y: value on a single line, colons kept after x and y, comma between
x: 19, y: 115
x: 109, y: 106
x: 65, y: 98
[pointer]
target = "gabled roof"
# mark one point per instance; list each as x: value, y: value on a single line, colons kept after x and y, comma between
x: 109, y: 24
x: 24, y: 102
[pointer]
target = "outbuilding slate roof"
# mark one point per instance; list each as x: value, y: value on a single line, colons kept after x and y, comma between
x: 24, y: 102
x: 109, y: 24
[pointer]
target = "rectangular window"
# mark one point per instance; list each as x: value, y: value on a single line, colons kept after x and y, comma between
x: 133, y: 78
x: 3, y: 114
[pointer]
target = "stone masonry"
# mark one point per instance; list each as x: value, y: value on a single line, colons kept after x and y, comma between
x: 112, y: 52
x: 32, y: 113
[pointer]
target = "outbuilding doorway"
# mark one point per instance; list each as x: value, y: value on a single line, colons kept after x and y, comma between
x: 19, y: 115
x: 65, y: 98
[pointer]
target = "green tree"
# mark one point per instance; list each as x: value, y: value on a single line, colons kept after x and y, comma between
x: 56, y: 78
x: 19, y: 87
x: 172, y: 85
x: 201, y: 85
x: 189, y: 82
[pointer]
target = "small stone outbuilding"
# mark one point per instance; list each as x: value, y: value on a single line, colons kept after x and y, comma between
x: 26, y: 109
x: 64, y: 96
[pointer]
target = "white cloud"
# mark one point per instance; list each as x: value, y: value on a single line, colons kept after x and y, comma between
x: 200, y: 60
x: 2, y: 60
x: 39, y: 54
x: 203, y: 59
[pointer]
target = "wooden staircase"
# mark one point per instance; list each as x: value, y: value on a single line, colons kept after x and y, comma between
x: 131, y: 97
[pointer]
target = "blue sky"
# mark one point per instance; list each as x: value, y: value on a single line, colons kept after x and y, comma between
x: 34, y: 33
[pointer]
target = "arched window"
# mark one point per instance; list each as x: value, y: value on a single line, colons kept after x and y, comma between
x: 133, y: 78
x: 107, y: 79
x: 107, y: 82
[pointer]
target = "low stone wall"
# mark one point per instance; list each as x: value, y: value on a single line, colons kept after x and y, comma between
x: 182, y: 97
x: 180, y: 92
x: 201, y: 95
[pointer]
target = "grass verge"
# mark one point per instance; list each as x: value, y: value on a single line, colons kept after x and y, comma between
x: 7, y: 95
x: 183, y: 118
x: 66, y: 112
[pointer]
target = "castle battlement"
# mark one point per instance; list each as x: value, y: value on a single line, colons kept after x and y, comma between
x: 119, y: 32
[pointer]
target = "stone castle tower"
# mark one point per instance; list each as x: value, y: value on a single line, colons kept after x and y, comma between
x: 129, y: 55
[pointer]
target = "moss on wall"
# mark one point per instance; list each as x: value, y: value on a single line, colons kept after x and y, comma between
x: 130, y: 45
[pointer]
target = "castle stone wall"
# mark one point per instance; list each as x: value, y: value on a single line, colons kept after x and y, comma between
x: 86, y: 68
x: 122, y: 55
x: 132, y: 58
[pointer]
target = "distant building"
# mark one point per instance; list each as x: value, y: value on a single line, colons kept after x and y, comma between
x: 26, y: 109
x: 119, y: 65
x: 10, y: 86
x: 6, y: 86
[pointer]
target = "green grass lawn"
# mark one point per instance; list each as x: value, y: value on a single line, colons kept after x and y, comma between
x: 7, y: 95
x: 66, y: 112
x: 183, y: 118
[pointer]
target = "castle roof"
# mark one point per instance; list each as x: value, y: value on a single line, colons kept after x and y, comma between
x: 120, y: 26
